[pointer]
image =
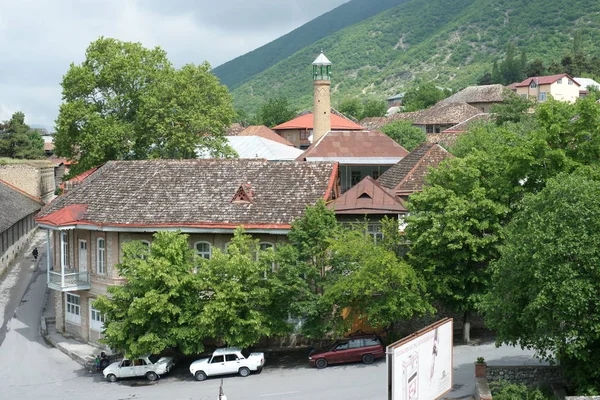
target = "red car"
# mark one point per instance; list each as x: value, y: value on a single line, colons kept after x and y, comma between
x: 356, y: 348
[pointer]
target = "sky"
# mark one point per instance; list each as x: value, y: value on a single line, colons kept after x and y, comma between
x: 39, y: 39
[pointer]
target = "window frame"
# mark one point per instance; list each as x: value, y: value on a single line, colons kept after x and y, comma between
x: 96, y: 318
x: 101, y: 256
x: 64, y: 249
x: 72, y: 308
x: 202, y: 253
x: 542, y: 96
x: 270, y: 246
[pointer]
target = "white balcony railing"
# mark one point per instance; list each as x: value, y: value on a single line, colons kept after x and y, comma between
x: 70, y: 280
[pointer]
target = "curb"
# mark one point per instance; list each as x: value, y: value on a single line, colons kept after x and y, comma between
x: 74, y: 356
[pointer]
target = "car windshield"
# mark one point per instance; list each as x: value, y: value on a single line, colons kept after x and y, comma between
x: 154, y: 358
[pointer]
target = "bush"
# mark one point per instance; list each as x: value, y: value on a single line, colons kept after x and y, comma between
x: 504, y: 390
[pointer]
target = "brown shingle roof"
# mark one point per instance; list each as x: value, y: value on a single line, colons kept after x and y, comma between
x: 446, y: 114
x: 15, y: 205
x: 477, y: 94
x: 367, y: 197
x: 464, y: 126
x: 408, y: 175
x: 264, y: 132
x: 195, y: 193
x: 234, y: 129
x: 353, y: 144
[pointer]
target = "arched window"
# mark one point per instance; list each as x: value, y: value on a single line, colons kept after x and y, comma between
x: 203, y: 249
x: 101, y: 256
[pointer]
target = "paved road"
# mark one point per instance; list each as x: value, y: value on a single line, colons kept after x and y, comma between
x: 30, y: 369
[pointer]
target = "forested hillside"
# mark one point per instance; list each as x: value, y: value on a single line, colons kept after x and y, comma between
x: 237, y: 71
x: 449, y: 43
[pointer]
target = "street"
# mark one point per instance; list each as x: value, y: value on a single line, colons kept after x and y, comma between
x: 31, y: 369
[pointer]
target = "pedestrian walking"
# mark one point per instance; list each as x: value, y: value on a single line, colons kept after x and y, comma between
x: 35, y: 253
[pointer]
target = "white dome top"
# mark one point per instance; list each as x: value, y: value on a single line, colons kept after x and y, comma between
x: 321, y: 60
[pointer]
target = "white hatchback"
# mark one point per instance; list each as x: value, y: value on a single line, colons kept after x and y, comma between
x: 149, y: 366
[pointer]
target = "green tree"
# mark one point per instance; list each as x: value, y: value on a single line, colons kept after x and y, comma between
x: 374, y: 108
x: 423, y: 96
x: 128, y: 102
x: 18, y: 140
x: 235, y: 295
x: 535, y: 68
x: 351, y: 107
x: 545, y: 283
x: 157, y: 307
x: 405, y: 134
x: 274, y: 112
x: 371, y: 283
x: 513, y: 108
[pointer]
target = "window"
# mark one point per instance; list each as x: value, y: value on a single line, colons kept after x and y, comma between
x: 304, y: 135
x: 101, y: 256
x: 428, y: 128
x: 570, y: 82
x: 371, y: 342
x: 145, y: 243
x: 96, y: 319
x: 231, y: 357
x: 375, y: 231
x: 64, y: 249
x: 342, y: 346
x: 559, y: 81
x: 126, y: 363
x: 139, y: 362
x: 542, y: 96
x: 203, y: 249
x: 533, y: 85
x: 263, y: 247
x: 217, y: 359
x: 375, y: 174
x: 356, y: 343
x: 355, y: 177
x: 73, y: 311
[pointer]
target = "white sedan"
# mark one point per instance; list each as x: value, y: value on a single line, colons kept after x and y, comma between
x: 150, y: 366
x: 227, y: 361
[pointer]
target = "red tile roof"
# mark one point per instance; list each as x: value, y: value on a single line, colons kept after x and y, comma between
x: 368, y: 197
x: 335, y: 145
x: 264, y: 132
x: 544, y: 80
x: 306, y: 122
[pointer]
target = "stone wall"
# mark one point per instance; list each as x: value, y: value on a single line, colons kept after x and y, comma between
x: 8, y: 250
x: 36, y: 180
x: 530, y: 375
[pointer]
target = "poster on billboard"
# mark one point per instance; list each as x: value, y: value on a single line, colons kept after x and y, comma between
x: 420, y: 365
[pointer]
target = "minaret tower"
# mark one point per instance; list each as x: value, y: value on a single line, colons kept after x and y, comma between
x: 322, y: 106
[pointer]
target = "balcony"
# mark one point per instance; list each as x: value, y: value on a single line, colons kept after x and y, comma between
x: 69, y: 281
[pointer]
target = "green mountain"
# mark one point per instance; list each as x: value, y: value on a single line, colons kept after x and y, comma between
x: 450, y: 43
x: 239, y: 70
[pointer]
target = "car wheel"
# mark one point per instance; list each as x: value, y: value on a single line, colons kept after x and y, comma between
x: 368, y: 358
x: 151, y: 376
x: 111, y: 378
x: 244, y: 371
x: 321, y: 363
x: 200, y: 375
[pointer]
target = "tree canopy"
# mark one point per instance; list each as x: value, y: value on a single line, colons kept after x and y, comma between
x: 18, y: 140
x: 128, y: 102
x: 423, y: 96
x: 405, y: 134
x: 274, y: 112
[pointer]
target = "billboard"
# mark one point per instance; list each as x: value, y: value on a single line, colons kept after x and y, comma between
x: 420, y: 365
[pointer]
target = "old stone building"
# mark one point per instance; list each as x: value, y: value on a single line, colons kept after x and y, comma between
x: 130, y: 200
x: 35, y: 177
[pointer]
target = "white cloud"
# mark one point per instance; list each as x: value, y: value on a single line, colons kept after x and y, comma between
x: 41, y: 38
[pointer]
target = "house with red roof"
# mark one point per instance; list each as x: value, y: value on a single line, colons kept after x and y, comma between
x: 299, y: 130
x: 207, y: 199
x: 561, y: 87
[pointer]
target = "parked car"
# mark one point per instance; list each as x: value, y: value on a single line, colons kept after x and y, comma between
x: 358, y: 348
x: 228, y: 361
x: 152, y: 367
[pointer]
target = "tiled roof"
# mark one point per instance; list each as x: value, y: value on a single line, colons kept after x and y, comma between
x: 544, y: 80
x: 306, y: 122
x: 234, y: 130
x: 373, y: 122
x: 259, y: 147
x: 363, y: 146
x: 263, y: 131
x: 446, y: 114
x: 193, y: 194
x: 477, y: 94
x: 408, y: 175
x: 16, y: 205
x: 464, y: 126
x: 367, y: 197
